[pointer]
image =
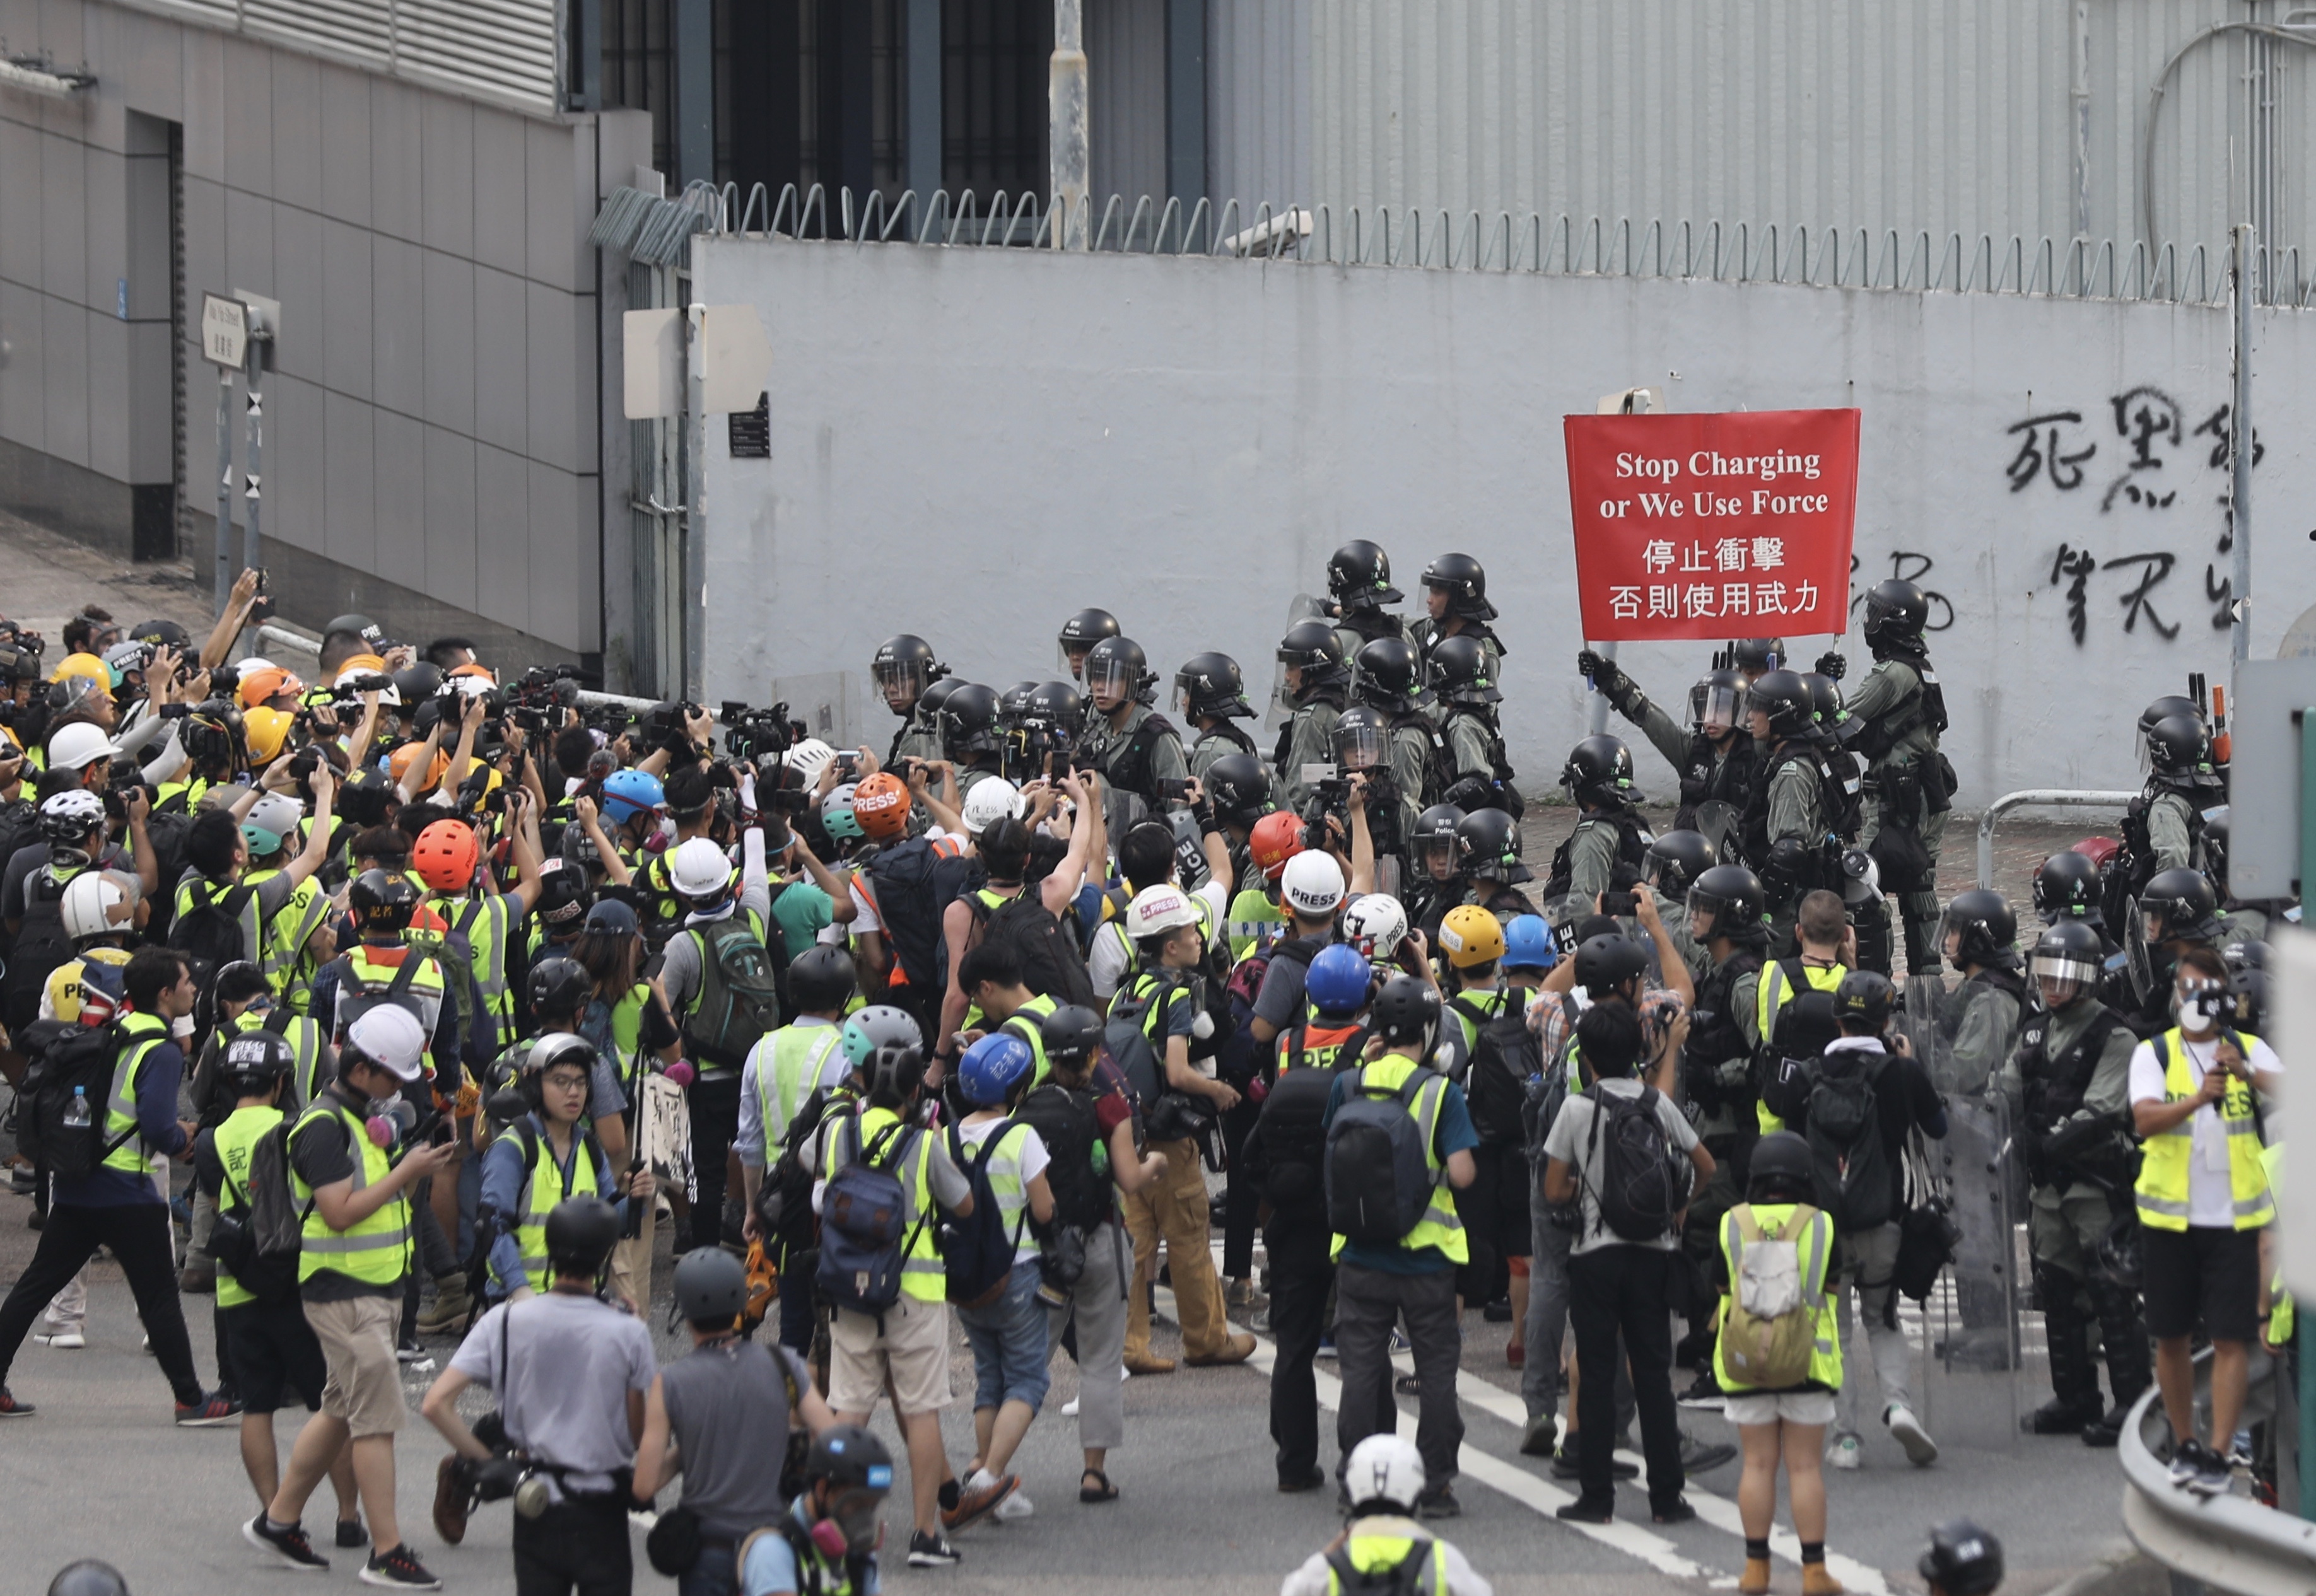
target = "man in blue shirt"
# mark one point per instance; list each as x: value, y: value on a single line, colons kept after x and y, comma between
x: 1381, y: 1280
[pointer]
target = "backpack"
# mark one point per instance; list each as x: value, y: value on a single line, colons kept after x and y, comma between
x: 1236, y: 1059
x: 1770, y: 1330
x: 1844, y: 1130
x: 1126, y: 1037
x: 1066, y: 1122
x: 260, y: 1245
x: 210, y: 934
x: 1805, y: 1023
x: 76, y: 1059
x: 977, y: 1251
x: 1378, y: 1177
x: 1634, y: 1180
x: 1541, y: 1100
x: 1402, y: 1578
x: 166, y: 829
x: 1505, y: 1056
x: 41, y: 945
x: 1293, y: 1124
x: 910, y: 885
x: 862, y: 1213
x: 1051, y: 964
x: 739, y: 995
x: 462, y: 989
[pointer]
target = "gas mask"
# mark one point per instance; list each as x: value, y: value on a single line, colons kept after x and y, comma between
x: 852, y: 1526
x: 2206, y: 1007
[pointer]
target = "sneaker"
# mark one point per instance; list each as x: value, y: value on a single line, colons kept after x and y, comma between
x: 1016, y: 1506
x: 980, y: 1493
x: 1845, y: 1451
x: 1070, y: 1408
x: 1326, y: 1346
x: 351, y: 1535
x: 1259, y: 1321
x: 399, y: 1569
x: 414, y: 1353
x: 212, y: 1410
x: 1921, y: 1451
x: 2183, y: 1461
x: 1499, y: 1312
x: 290, y: 1545
x: 65, y: 1341
x: 1441, y: 1503
x: 10, y: 1408
x: 932, y: 1551
x: 1703, y: 1393
x: 1539, y: 1435
x: 1699, y: 1457
x: 1399, y: 1341
x: 452, y: 1500
x: 1408, y: 1385
x: 2212, y: 1475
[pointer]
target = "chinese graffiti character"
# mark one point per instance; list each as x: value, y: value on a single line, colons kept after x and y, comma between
x: 2039, y: 449
x: 1625, y: 603
x: 1769, y: 552
x: 2215, y: 427
x: 2079, y: 564
x: 2154, y: 568
x: 1729, y: 553
x: 2141, y: 416
x: 1657, y: 556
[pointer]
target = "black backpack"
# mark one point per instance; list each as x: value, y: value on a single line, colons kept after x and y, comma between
x: 1854, y: 1183
x: 1051, y: 966
x: 71, y: 1060
x: 210, y: 934
x: 976, y: 1250
x: 1505, y: 1056
x: 1066, y: 1122
x: 1378, y: 1172
x: 1805, y: 1023
x: 911, y: 884
x: 1634, y: 1181
x: 740, y: 979
x: 41, y: 945
x: 1293, y: 1128
x: 259, y: 1236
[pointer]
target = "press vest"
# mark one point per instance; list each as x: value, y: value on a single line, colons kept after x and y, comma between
x: 304, y: 1037
x: 235, y: 1140
x: 1441, y: 1226
x: 140, y: 1034
x: 484, y: 921
x: 922, y: 1275
x: 1363, y: 1553
x: 1815, y: 1246
x: 2163, y: 1177
x: 282, y: 944
x: 197, y: 892
x: 1027, y: 1023
x: 544, y: 1185
x: 1313, y: 1045
x: 377, y: 1250
x: 1777, y: 986
x: 789, y: 1063
x: 363, y: 980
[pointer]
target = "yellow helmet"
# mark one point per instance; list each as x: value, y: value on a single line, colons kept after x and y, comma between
x: 1471, y: 937
x: 265, y: 731
x: 98, y: 674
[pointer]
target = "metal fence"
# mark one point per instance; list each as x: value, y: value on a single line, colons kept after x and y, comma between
x: 1798, y: 254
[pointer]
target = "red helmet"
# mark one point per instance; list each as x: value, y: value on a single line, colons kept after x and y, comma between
x: 1276, y: 838
x: 445, y: 856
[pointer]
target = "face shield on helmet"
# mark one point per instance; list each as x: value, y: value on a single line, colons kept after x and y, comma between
x: 1437, y: 854
x: 902, y: 678
x: 1716, y: 705
x: 2160, y: 710
x: 1360, y: 738
x: 1111, y: 677
x: 2064, y: 972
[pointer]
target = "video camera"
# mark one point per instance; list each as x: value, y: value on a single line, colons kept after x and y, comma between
x: 540, y: 694
x: 750, y: 735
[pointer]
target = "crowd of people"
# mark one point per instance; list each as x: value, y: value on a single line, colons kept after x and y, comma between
x: 448, y: 986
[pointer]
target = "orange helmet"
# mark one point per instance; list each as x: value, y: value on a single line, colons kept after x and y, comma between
x: 881, y: 805
x: 1276, y: 838
x: 445, y: 856
x: 398, y: 764
x: 262, y: 686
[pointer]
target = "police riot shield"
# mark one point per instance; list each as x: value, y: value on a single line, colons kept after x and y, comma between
x: 1927, y: 1018
x: 1301, y: 608
x: 1969, y: 1336
x: 1717, y: 822
x: 2137, y: 958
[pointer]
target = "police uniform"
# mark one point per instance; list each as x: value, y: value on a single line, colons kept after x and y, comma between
x: 1308, y: 737
x: 1134, y: 756
x: 1710, y: 771
x: 1424, y: 631
x: 1784, y: 829
x: 918, y: 738
x: 1977, y: 1028
x: 1716, y: 1064
x: 1604, y: 853
x: 1219, y: 741
x: 1907, y: 783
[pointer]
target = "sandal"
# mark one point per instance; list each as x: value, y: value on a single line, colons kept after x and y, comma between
x: 1105, y: 1492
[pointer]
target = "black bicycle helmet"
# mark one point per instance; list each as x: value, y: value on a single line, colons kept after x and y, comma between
x: 1406, y: 1010
x: 1072, y: 1033
x: 821, y: 978
x: 1863, y: 999
x: 1782, y: 1158
x: 382, y: 901
x: 1963, y: 1560
x: 581, y: 1233
x: 711, y: 1286
x: 558, y: 987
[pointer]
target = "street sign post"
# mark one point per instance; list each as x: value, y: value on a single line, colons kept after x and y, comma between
x: 224, y: 342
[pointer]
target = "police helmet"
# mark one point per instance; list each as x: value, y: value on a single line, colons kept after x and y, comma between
x: 1057, y: 708
x: 2067, y: 888
x: 904, y: 667
x: 1459, y: 671
x: 1390, y: 674
x: 1311, y: 645
x: 581, y: 1233
x: 1465, y: 581
x: 711, y: 1287
x: 2177, y: 745
x: 1117, y: 666
x: 1607, y: 961
x: 1239, y: 787
x: 2216, y: 828
x: 1362, y: 738
x: 1016, y: 705
x: 1406, y: 1010
x: 1338, y: 981
x: 1717, y: 702
x: 821, y: 978
x: 1488, y: 844
x: 1599, y: 771
x: 2180, y: 903
x: 1211, y: 683
x: 1754, y: 656
x: 1080, y: 632
x: 1785, y: 699
x: 1986, y: 928
x: 936, y: 694
x: 1677, y: 858
x: 1863, y: 999
x: 1436, y: 846
x: 2250, y: 985
x: 969, y: 721
x: 1896, y: 611
x: 2070, y: 955
x: 1358, y: 576
x: 1963, y: 1560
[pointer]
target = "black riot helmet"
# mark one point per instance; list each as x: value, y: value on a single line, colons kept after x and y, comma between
x: 1489, y: 843
x: 929, y: 701
x: 1239, y: 789
x: 1605, y: 963
x: 1716, y: 703
x: 2067, y: 888
x: 1985, y: 930
x: 1073, y: 1034
x: 1358, y: 576
x: 1311, y: 645
x: 1118, y: 667
x: 1406, y: 1010
x: 969, y: 721
x: 1465, y: 581
x: 1015, y: 703
x: 1896, y: 611
x: 581, y: 1233
x: 1677, y: 858
x: 1079, y: 634
x: 2070, y: 955
x: 1734, y: 897
x: 1362, y: 739
x: 2171, y: 704
x: 1863, y: 999
x: 1600, y: 771
x: 1785, y: 697
x: 1389, y: 674
x: 1055, y: 713
x: 1834, y: 723
x: 904, y: 667
x: 2179, y: 903
x: 559, y: 986
x: 1211, y: 685
x: 1459, y: 671
x: 2250, y: 988
x: 2177, y: 745
x: 1963, y: 1560
x: 1755, y: 657
x: 1437, y: 847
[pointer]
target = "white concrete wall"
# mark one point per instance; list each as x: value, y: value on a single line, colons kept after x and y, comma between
x: 972, y: 445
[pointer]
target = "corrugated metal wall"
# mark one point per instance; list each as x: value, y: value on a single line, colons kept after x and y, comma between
x: 1944, y: 115
x: 1126, y: 64
x: 1258, y: 99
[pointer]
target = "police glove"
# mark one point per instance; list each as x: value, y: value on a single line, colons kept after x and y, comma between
x: 1830, y: 664
x: 1613, y: 683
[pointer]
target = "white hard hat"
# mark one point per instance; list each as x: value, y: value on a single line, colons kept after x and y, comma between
x: 808, y: 758
x: 78, y: 745
x: 993, y: 799
x: 1157, y: 911
x: 390, y: 1037
x: 1374, y: 924
x: 1312, y: 885
x: 1384, y: 1469
x: 699, y: 869
x: 90, y: 901
x: 345, y: 687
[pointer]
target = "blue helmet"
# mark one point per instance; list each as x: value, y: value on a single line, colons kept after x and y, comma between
x: 992, y: 1067
x: 880, y: 1025
x: 1529, y: 944
x: 1337, y: 984
x: 629, y: 793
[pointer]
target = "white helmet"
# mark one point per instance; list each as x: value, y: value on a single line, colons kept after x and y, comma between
x: 699, y: 869
x: 1383, y: 1470
x: 90, y: 903
x: 78, y: 745
x: 390, y: 1037
x: 1312, y: 885
x: 277, y: 814
x: 347, y: 686
x: 1159, y: 909
x: 1374, y: 924
x: 808, y: 758
x: 993, y: 799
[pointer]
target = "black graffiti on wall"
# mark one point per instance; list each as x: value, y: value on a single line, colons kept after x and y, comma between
x: 1906, y: 565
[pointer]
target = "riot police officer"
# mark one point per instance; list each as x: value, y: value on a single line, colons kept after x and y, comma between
x: 1676, y: 859
x: 1079, y: 634
x: 1488, y: 851
x: 972, y: 738
x: 2178, y: 910
x: 1137, y: 750
x: 1317, y: 689
x: 1978, y: 1023
x: 1366, y: 740
x: 1611, y: 840
x: 1910, y: 784
x: 1784, y: 828
x: 904, y: 667
x: 1456, y: 595
x: 1041, y: 729
x: 2068, y: 1079
x: 2162, y: 826
x: 1482, y: 774
x: 1435, y: 880
x: 1716, y: 756
x: 1755, y: 657
x: 1209, y: 694
x: 1359, y: 586
x: 2067, y: 888
x: 1388, y: 680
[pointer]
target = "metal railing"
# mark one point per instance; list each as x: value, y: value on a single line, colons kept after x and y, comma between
x: 2038, y: 798
x: 1794, y: 255
x: 2226, y: 1542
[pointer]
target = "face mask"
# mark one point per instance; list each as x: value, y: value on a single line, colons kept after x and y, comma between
x: 180, y: 1027
x: 856, y: 1522
x: 2206, y: 1008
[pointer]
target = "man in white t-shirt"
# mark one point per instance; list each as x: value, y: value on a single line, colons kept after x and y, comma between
x: 2203, y: 1199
